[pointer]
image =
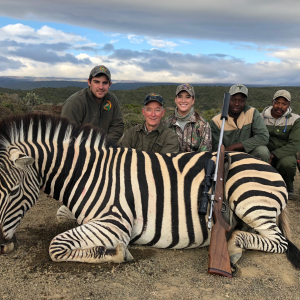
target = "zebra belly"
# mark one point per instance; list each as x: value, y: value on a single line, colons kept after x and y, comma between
x: 193, y: 235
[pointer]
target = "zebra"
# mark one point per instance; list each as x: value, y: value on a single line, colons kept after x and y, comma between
x: 120, y: 196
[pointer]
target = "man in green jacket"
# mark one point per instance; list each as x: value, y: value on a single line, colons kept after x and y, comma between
x: 284, y: 143
x: 152, y: 135
x: 244, y: 130
x: 96, y: 106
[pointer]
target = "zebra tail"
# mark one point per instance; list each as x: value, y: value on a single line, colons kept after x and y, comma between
x: 292, y: 253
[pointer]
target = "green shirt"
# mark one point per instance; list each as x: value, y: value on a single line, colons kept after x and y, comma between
x: 81, y: 108
x: 284, y: 132
x: 159, y: 140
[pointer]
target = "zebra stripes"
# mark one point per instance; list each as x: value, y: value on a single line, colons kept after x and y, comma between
x: 121, y: 196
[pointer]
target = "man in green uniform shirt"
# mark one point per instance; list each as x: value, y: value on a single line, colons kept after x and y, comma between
x: 284, y: 143
x: 152, y: 135
x: 96, y: 106
x: 244, y: 130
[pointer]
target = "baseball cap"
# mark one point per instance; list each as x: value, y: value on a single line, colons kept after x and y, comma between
x: 154, y: 97
x: 283, y: 93
x: 186, y: 87
x: 238, y: 88
x: 100, y: 70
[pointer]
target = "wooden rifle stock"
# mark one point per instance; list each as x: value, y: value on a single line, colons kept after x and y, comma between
x: 219, y: 261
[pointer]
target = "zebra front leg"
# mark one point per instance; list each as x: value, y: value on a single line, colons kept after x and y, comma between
x: 270, y: 240
x: 63, y: 215
x: 94, y: 242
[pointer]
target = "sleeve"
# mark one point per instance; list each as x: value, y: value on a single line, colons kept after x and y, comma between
x: 215, y: 135
x: 171, y: 144
x: 260, y: 133
x: 127, y: 140
x: 205, y: 137
x: 73, y: 112
x: 293, y: 144
x: 116, y: 128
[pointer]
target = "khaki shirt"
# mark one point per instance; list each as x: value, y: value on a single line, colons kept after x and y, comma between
x: 160, y: 140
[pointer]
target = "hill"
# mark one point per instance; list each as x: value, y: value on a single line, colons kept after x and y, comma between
x: 30, y: 83
x: 208, y: 102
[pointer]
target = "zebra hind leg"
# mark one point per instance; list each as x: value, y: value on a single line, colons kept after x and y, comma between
x: 91, y: 243
x: 269, y: 240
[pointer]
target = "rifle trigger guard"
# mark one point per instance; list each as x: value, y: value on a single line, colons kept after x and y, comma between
x: 224, y: 207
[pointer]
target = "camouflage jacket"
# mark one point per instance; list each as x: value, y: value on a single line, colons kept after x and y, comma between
x: 196, y: 135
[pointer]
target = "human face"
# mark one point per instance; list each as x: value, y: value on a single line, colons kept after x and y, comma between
x: 99, y: 86
x: 236, y: 104
x: 280, y: 106
x: 184, y: 102
x: 153, y: 112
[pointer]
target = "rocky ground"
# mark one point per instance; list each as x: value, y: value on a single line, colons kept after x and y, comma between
x: 27, y: 273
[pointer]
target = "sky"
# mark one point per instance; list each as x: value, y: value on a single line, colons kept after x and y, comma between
x: 191, y: 41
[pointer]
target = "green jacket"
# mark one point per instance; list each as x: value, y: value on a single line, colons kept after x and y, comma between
x: 250, y: 130
x: 160, y: 140
x: 81, y: 108
x: 284, y: 132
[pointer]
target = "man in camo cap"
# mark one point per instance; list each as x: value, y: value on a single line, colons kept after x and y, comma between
x: 193, y: 130
x: 97, y: 106
x: 244, y: 130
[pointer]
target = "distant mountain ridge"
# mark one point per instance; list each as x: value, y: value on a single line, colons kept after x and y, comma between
x: 30, y: 83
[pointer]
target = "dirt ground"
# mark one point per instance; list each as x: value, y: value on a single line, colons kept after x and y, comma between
x: 27, y: 273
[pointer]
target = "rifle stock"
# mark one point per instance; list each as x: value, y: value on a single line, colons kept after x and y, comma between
x: 219, y: 261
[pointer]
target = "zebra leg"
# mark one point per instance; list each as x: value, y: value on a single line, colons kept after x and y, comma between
x: 93, y: 242
x: 268, y: 240
x: 63, y: 214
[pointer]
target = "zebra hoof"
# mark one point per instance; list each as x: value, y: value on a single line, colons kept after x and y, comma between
x: 122, y: 250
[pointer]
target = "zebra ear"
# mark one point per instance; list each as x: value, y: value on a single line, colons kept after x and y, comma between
x: 20, y: 159
x: 24, y: 161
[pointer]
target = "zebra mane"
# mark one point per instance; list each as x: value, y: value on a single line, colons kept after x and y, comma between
x: 17, y: 127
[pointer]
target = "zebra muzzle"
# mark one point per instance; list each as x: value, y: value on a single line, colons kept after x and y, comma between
x: 6, y: 246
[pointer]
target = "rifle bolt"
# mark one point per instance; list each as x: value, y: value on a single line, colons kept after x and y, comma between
x: 220, y: 198
x: 221, y: 178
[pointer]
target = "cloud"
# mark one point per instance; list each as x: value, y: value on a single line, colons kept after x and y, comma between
x: 134, y: 39
x: 161, y: 43
x: 259, y: 22
x: 114, y: 41
x: 23, y: 33
x: 6, y: 63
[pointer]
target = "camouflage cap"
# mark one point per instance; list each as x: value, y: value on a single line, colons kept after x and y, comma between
x: 154, y: 97
x: 100, y: 70
x: 238, y: 88
x: 283, y: 93
x: 186, y: 87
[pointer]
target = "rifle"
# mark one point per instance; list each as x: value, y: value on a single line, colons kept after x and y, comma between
x: 219, y: 261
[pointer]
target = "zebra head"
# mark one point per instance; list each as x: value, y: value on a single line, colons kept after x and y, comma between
x: 18, y: 192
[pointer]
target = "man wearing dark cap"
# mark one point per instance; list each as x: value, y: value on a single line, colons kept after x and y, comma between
x: 152, y: 135
x: 284, y: 143
x: 96, y: 106
x: 244, y: 130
